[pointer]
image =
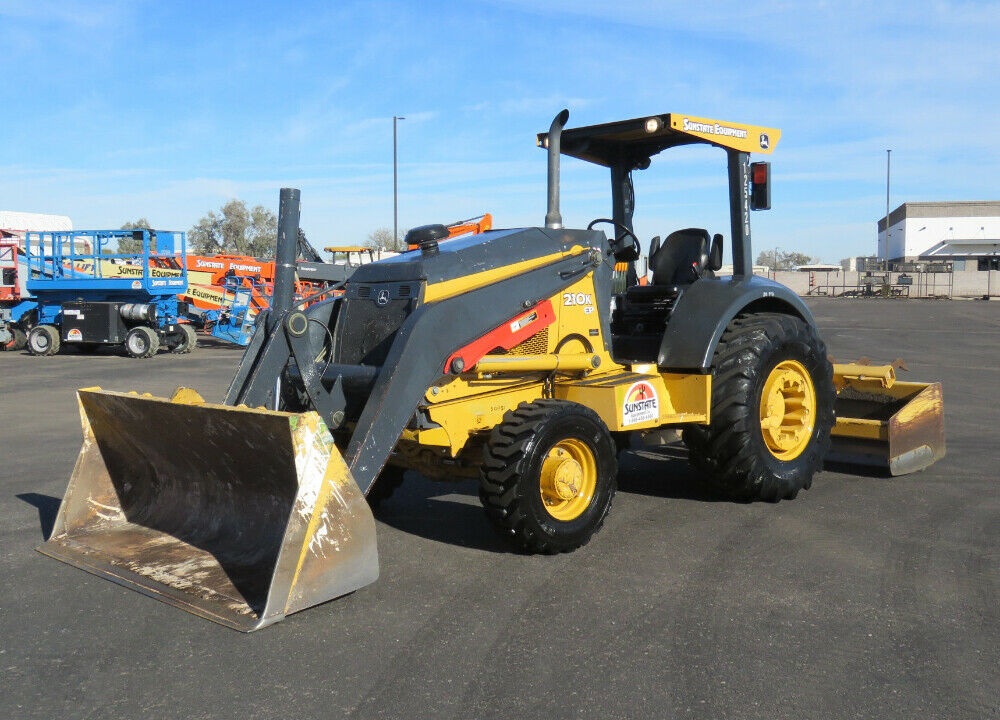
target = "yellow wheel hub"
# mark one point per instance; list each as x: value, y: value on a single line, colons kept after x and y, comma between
x: 568, y: 479
x: 788, y: 410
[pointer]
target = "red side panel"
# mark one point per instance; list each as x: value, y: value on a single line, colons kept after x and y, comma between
x: 513, y: 332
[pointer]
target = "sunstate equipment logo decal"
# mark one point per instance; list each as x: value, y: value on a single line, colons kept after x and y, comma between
x: 641, y: 404
x: 714, y: 128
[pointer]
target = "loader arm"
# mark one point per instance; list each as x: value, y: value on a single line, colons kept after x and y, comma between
x: 428, y: 337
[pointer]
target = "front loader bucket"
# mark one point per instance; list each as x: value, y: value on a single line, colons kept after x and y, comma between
x: 885, y: 423
x: 239, y: 515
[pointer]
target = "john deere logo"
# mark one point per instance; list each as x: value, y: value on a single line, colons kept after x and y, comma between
x: 382, y: 298
x: 765, y: 141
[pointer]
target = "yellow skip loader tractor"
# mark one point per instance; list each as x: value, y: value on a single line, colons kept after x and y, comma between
x: 503, y: 356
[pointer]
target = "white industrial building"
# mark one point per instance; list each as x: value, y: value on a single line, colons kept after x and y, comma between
x: 966, y: 233
x: 16, y: 224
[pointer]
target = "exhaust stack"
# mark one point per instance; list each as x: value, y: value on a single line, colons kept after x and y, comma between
x: 284, y: 259
x: 553, y: 219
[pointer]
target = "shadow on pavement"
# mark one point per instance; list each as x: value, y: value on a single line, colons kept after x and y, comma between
x: 47, y: 507
x: 662, y: 471
x: 447, y: 512
x: 450, y: 512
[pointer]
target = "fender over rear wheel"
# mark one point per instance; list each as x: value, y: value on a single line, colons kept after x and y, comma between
x: 548, y: 476
x: 772, y: 409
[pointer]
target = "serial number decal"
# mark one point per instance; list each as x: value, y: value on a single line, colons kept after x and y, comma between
x: 571, y: 299
x: 523, y: 322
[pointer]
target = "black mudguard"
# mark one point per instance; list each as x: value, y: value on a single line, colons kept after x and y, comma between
x: 705, y: 309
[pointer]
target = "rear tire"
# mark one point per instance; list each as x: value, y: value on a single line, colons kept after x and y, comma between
x: 17, y: 341
x: 188, y: 340
x: 772, y: 410
x: 548, y: 476
x: 142, y: 342
x: 43, y: 340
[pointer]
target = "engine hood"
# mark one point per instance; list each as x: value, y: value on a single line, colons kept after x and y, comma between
x: 473, y: 254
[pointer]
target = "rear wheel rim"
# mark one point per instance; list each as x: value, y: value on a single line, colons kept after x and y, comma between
x: 568, y: 479
x: 788, y: 410
x: 137, y: 344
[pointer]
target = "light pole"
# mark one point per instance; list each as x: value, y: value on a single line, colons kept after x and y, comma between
x: 888, y: 164
x: 395, y: 180
x: 989, y: 273
x: 774, y: 263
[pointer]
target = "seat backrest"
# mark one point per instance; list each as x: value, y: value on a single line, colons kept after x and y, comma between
x: 682, y: 258
x: 715, y: 254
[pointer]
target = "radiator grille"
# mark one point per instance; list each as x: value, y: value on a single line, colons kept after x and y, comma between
x: 537, y: 344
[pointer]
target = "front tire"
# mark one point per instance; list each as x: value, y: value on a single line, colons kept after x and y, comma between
x: 142, y: 342
x: 387, y: 482
x: 43, y: 340
x: 548, y: 476
x: 772, y: 410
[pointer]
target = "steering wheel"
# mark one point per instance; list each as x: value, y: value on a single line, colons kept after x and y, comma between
x: 625, y: 234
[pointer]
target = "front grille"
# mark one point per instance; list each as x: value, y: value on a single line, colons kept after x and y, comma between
x: 365, y: 329
x: 396, y: 291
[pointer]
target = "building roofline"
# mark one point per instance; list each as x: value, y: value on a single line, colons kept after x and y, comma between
x: 946, y: 208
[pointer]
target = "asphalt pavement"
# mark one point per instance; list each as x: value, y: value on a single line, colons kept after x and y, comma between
x: 866, y: 597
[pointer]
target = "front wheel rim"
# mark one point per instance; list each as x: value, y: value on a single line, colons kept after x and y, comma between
x: 568, y: 479
x: 788, y: 410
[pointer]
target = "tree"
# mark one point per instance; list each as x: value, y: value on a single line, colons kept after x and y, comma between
x: 128, y: 245
x: 381, y: 239
x: 236, y: 230
x: 778, y: 260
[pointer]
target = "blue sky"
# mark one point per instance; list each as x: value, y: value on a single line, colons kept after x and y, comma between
x: 115, y: 110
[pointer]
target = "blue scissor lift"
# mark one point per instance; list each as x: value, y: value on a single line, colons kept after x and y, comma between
x: 235, y: 321
x: 90, y: 291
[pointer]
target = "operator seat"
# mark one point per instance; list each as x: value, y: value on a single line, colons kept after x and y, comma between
x: 685, y: 256
x: 642, y: 312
